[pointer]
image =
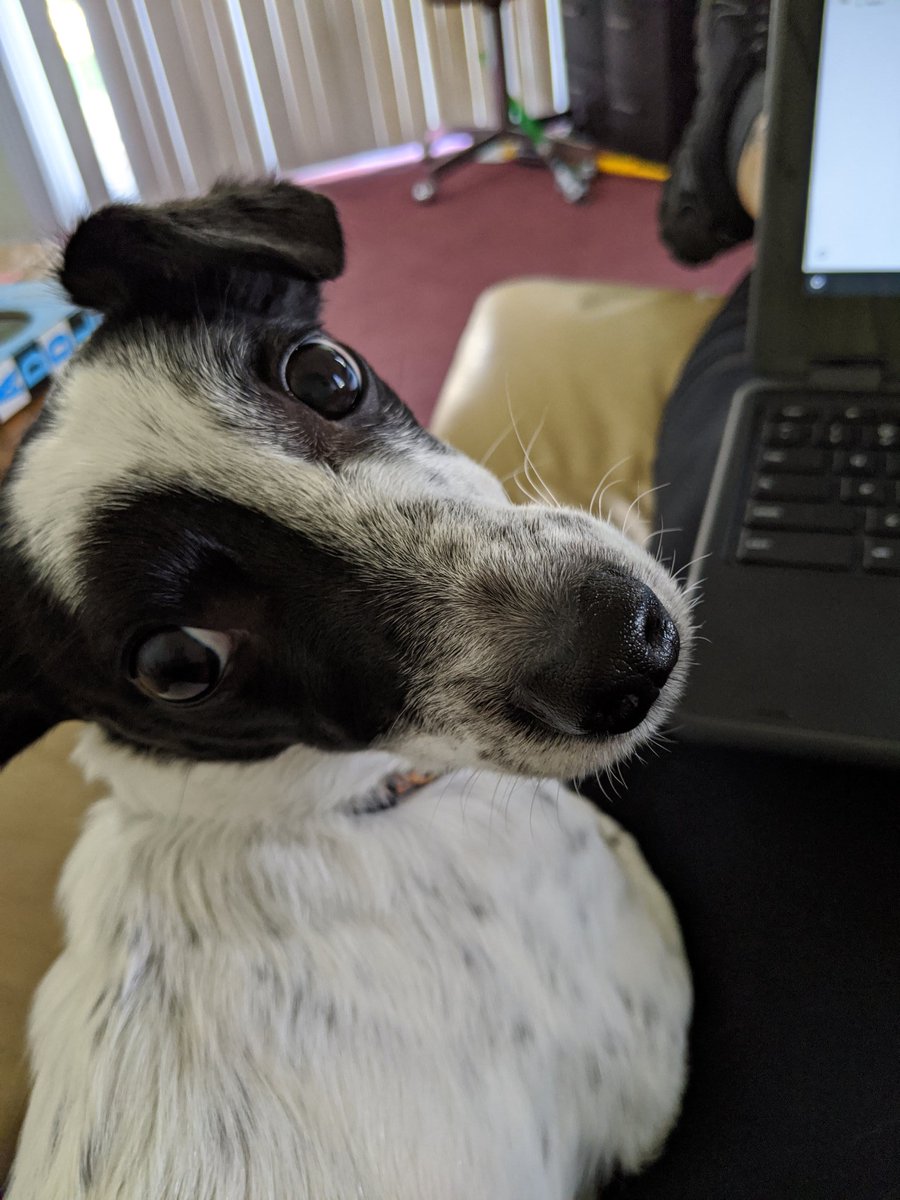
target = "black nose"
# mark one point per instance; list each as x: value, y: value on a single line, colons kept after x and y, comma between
x: 609, y: 655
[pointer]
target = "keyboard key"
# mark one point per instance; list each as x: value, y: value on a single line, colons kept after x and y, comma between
x: 885, y: 522
x: 852, y: 413
x: 885, y: 436
x: 824, y: 518
x: 836, y: 434
x: 802, y: 459
x: 787, y: 433
x: 882, y: 557
x: 793, y: 487
x: 794, y: 412
x: 892, y: 466
x: 831, y: 551
x: 858, y: 462
x: 863, y: 491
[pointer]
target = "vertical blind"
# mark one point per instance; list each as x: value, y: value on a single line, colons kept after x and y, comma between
x: 201, y: 88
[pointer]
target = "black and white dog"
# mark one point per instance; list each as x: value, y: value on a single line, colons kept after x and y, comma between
x: 294, y: 969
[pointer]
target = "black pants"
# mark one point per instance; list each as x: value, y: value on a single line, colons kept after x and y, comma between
x: 786, y: 876
x: 694, y: 421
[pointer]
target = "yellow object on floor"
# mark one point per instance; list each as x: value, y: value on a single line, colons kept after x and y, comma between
x: 611, y: 163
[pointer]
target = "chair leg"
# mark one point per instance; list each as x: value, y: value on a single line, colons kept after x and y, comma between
x: 425, y: 189
x: 571, y: 183
x: 446, y: 165
x: 433, y: 136
x: 498, y: 69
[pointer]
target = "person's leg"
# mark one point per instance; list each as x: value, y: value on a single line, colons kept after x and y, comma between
x: 695, y: 414
x: 748, y: 175
x: 692, y: 426
x: 717, y: 173
x: 701, y: 212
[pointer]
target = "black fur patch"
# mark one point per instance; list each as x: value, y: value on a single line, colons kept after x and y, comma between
x: 320, y: 650
x: 244, y: 247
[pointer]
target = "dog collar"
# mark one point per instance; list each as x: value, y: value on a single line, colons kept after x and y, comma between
x: 388, y: 792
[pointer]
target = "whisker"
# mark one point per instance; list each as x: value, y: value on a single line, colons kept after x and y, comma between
x: 661, y: 532
x: 599, y: 488
x: 538, y: 484
x: 610, y: 800
x: 530, y: 464
x: 612, y: 483
x: 637, y: 500
x: 537, y: 785
x: 531, y: 495
x: 494, y: 447
x: 687, y: 566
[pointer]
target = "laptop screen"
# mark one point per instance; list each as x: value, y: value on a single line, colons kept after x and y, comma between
x: 852, y: 239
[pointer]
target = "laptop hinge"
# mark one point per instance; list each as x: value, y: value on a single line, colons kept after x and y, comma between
x: 852, y: 374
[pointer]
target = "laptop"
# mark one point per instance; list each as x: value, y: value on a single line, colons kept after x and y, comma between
x: 800, y: 541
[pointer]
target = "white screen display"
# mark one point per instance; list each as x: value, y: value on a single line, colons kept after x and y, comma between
x: 852, y: 240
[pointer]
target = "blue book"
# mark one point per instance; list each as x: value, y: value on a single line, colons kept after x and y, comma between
x: 40, y: 329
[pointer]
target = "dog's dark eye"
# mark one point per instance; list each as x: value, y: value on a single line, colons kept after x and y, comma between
x: 324, y: 377
x: 180, y: 663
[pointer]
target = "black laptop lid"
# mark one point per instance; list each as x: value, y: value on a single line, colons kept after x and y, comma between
x: 827, y: 283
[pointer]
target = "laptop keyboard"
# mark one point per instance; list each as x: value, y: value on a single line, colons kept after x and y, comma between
x: 825, y: 490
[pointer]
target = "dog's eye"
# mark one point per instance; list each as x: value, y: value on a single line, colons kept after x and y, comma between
x: 180, y: 663
x: 324, y: 377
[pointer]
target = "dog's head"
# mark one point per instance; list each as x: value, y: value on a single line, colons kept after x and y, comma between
x: 226, y: 535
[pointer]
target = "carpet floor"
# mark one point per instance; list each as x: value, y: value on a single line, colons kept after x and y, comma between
x: 414, y: 271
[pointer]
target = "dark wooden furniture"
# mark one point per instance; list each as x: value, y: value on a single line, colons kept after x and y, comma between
x: 631, y: 72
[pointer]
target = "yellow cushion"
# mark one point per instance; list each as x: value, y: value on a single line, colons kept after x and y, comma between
x: 577, y: 374
x: 42, y: 801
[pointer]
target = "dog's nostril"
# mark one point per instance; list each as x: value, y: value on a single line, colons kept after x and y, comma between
x: 654, y: 620
x: 605, y: 668
x: 661, y: 645
x: 620, y: 708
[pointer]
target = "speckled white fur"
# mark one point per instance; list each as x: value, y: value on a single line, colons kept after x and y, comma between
x: 479, y: 994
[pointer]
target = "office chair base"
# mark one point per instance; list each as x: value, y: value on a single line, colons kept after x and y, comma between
x: 573, y: 179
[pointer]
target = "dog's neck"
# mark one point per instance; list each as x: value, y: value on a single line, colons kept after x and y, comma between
x: 283, y: 791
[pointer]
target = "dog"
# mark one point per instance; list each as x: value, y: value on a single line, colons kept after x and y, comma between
x: 335, y: 931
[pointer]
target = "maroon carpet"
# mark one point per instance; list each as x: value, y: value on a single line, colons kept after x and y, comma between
x: 414, y: 271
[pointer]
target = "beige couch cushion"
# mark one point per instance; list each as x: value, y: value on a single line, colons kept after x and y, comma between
x: 42, y: 801
x: 578, y: 374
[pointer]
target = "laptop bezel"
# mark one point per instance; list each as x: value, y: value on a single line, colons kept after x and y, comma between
x: 794, y: 333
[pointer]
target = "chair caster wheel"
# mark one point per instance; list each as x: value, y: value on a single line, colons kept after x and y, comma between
x: 574, y: 190
x: 571, y: 187
x: 576, y: 195
x: 423, y: 191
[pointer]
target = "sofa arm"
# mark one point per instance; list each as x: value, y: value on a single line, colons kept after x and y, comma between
x: 43, y: 799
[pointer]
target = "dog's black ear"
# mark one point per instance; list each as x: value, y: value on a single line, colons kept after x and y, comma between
x: 227, y: 246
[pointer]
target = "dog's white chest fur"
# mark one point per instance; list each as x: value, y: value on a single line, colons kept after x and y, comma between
x: 479, y: 993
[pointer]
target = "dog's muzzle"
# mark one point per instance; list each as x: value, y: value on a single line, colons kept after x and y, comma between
x: 610, y: 650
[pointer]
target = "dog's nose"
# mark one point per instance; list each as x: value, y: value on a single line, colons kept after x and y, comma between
x: 608, y: 660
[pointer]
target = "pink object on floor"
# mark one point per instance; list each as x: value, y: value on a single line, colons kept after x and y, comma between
x: 414, y: 271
